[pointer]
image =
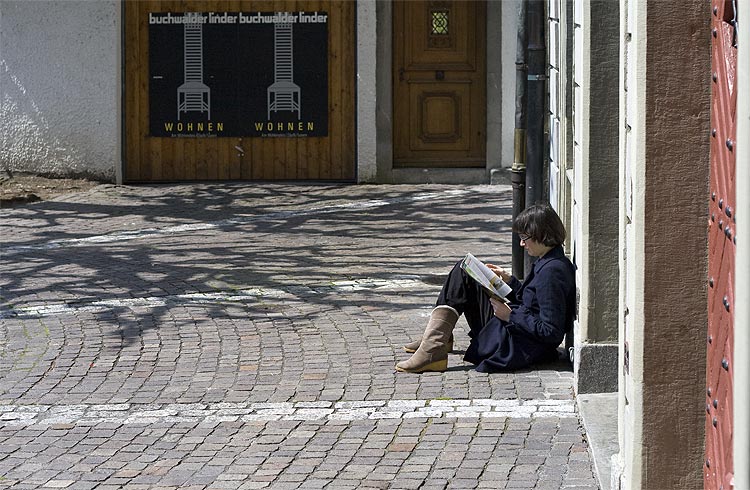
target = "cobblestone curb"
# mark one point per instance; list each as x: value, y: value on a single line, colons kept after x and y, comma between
x: 13, y: 415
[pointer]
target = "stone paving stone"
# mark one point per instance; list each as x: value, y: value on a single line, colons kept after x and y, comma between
x: 151, y: 322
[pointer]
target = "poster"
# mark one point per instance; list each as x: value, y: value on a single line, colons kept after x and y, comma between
x: 238, y: 74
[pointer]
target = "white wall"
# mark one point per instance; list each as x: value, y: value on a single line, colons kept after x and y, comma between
x: 501, y: 68
x: 367, y: 169
x: 631, y: 244
x: 60, y: 87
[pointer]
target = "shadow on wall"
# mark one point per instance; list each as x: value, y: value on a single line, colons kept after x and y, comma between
x: 27, y: 141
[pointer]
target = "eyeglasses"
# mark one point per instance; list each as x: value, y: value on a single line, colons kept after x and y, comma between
x: 524, y: 238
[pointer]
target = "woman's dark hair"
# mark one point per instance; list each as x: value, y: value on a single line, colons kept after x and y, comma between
x: 542, y: 224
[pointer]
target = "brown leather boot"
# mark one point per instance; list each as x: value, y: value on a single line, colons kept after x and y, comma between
x: 412, y: 347
x: 432, y: 353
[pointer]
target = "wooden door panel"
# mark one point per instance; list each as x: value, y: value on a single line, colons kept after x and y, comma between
x: 442, y: 116
x: 151, y: 158
x: 439, y: 84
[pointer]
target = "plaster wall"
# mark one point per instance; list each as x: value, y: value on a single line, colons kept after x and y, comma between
x: 499, y: 63
x: 596, y: 76
x: 367, y: 39
x: 384, y: 104
x: 507, y: 58
x: 664, y: 183
x: 675, y: 297
x: 627, y: 469
x: 60, y: 87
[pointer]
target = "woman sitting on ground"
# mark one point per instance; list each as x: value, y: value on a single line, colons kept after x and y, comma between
x: 505, y: 336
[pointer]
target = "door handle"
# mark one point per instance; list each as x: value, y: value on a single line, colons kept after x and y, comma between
x: 401, y: 74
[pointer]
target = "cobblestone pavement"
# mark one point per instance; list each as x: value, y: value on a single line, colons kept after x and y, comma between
x: 244, y: 336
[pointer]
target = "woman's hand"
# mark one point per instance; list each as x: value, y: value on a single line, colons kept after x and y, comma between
x: 502, y: 310
x: 502, y: 273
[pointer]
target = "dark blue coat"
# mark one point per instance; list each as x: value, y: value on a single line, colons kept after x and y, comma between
x: 543, y: 309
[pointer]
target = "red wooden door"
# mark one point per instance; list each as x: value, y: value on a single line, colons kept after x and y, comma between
x: 718, y: 468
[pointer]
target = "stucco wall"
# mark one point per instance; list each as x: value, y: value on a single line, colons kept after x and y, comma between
x: 596, y: 191
x: 664, y: 184
x: 59, y: 87
x: 675, y: 296
x: 367, y: 169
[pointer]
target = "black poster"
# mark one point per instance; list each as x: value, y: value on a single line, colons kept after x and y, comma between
x: 214, y: 74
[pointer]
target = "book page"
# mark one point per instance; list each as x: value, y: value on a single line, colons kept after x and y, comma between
x: 493, y: 284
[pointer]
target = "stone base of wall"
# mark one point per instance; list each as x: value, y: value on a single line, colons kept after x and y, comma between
x: 595, y: 367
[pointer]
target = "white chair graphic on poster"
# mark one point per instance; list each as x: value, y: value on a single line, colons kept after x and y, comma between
x: 284, y: 94
x: 193, y: 95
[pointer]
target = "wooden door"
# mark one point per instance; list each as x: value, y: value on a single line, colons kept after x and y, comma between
x: 439, y: 85
x: 275, y: 153
x: 718, y: 467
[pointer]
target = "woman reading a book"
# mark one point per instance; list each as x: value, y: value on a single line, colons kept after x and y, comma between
x: 505, y: 336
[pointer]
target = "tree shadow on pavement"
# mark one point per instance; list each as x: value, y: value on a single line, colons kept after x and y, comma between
x: 308, y: 243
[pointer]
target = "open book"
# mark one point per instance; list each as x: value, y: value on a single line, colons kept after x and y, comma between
x: 482, y: 274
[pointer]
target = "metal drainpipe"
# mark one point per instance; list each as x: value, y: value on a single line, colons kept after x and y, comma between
x: 536, y: 92
x: 741, y: 434
x: 518, y: 171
